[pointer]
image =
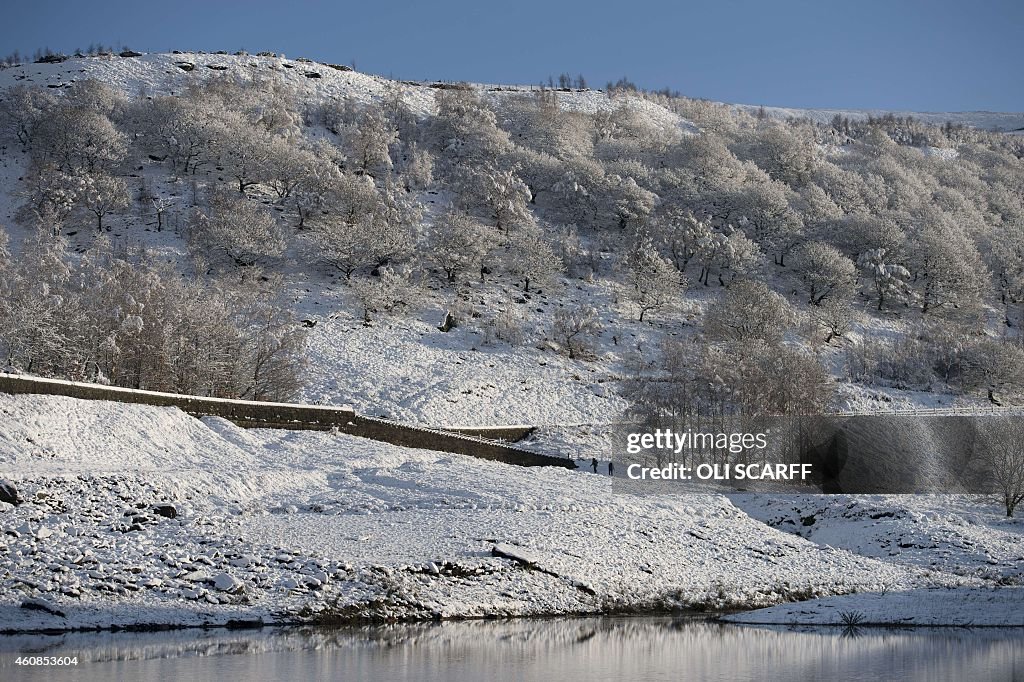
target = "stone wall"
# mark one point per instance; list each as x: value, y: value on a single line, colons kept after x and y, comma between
x: 288, y: 416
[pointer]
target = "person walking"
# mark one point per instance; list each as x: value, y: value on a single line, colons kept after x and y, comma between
x: 593, y: 464
x: 611, y: 468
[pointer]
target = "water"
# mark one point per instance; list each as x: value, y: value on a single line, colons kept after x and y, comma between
x: 562, y: 650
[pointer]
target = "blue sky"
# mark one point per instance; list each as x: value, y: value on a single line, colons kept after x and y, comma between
x: 895, y: 54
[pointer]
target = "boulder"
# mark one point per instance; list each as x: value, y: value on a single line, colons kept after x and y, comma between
x: 8, y: 493
x: 168, y: 511
x: 228, y: 583
x: 449, y: 322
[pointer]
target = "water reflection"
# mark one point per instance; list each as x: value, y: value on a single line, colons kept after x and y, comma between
x: 564, y: 650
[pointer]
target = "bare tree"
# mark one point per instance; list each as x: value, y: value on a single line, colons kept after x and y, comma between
x: 1002, y: 454
x: 573, y: 327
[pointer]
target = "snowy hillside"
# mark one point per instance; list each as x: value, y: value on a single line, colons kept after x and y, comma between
x: 590, y: 174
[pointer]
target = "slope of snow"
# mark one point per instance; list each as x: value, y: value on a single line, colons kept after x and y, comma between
x: 311, y: 523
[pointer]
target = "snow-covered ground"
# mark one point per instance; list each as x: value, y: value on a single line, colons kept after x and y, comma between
x: 281, y: 526
x: 936, y: 607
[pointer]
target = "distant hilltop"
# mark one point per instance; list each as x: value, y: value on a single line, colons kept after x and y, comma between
x: 169, y: 72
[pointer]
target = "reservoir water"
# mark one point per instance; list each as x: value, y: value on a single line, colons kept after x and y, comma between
x: 558, y: 650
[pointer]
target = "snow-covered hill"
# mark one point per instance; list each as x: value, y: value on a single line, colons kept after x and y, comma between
x: 168, y: 74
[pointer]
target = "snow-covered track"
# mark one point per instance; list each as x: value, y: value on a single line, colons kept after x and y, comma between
x: 254, y: 414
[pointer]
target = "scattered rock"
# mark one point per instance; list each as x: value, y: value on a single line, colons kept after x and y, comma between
x: 449, y: 322
x: 313, y: 74
x: 339, y: 67
x: 8, y: 493
x: 228, y: 583
x: 192, y: 593
x: 185, y: 66
x: 217, y: 67
x: 244, y: 624
x: 37, y: 604
x: 168, y: 511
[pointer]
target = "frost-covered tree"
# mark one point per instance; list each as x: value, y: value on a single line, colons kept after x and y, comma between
x: 825, y: 271
x: 949, y: 267
x: 458, y: 244
x: 738, y: 258
x: 464, y: 131
x: 237, y: 227
x: 531, y: 259
x: 992, y: 365
x: 38, y: 320
x: 182, y: 130
x: 391, y: 225
x: 79, y: 141
x: 497, y: 193
x: 50, y: 196
x: 748, y: 311
x: 290, y: 165
x: 391, y: 289
x: 418, y: 167
x: 338, y: 243
x: 102, y: 195
x: 835, y: 315
x: 677, y: 232
x: 652, y: 282
x: 369, y: 142
x: 889, y: 280
x: 627, y: 203
x: 763, y: 211
x: 787, y: 153
x: 22, y: 109
x: 243, y: 150
x: 94, y: 96
x: 860, y: 232
x: 273, y: 348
